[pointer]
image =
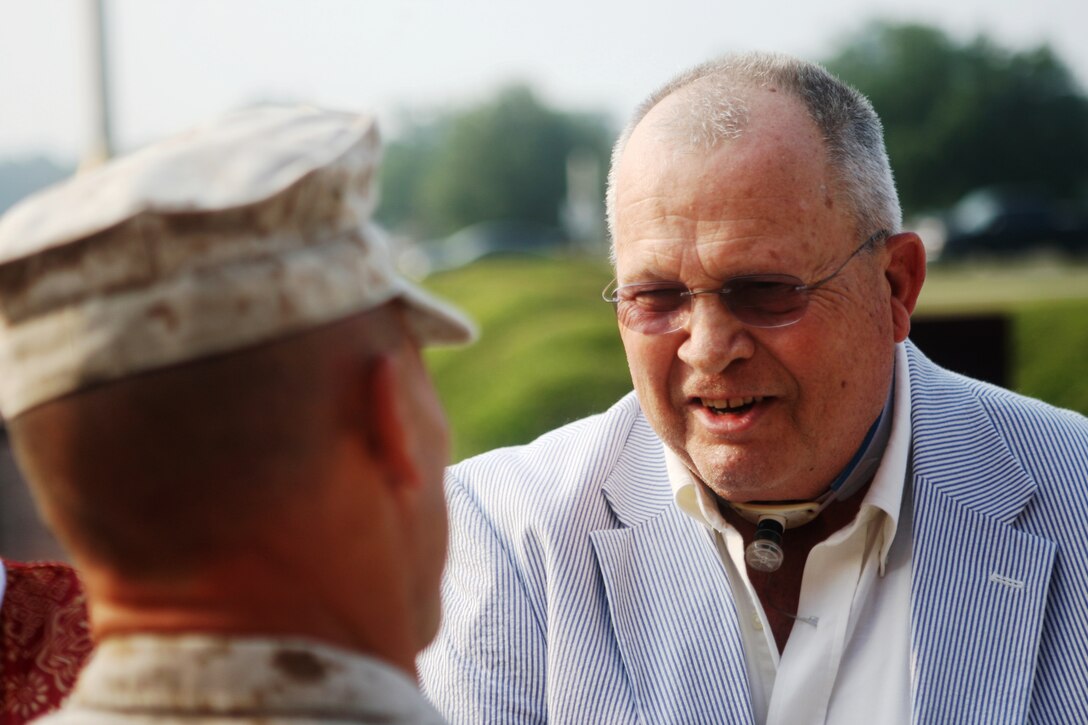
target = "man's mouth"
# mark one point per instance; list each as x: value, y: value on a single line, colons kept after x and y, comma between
x: 730, y: 406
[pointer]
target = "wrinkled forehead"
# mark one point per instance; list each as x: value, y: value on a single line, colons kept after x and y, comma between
x: 767, y: 187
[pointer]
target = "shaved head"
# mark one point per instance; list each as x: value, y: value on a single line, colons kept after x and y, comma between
x: 154, y: 473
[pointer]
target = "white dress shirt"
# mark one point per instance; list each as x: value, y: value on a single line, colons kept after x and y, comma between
x: 847, y: 659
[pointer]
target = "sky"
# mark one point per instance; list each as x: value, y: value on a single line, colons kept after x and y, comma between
x: 175, y: 63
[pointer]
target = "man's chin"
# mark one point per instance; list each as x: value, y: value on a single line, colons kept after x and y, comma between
x: 738, y: 482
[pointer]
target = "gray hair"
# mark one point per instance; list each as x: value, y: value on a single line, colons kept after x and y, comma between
x: 850, y: 127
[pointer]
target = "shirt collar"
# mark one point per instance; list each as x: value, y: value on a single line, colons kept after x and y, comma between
x: 886, y: 491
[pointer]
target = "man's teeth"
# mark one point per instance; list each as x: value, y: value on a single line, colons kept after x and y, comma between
x: 727, y: 404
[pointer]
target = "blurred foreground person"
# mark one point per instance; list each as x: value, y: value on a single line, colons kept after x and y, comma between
x: 796, y: 517
x: 213, y: 383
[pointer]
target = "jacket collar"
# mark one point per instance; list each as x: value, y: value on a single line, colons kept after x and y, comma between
x: 957, y: 449
x: 637, y: 487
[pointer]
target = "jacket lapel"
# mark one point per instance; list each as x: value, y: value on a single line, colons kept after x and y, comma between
x: 671, y: 609
x: 978, y: 585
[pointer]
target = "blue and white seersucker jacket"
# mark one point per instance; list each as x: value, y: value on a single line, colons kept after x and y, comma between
x: 576, y: 591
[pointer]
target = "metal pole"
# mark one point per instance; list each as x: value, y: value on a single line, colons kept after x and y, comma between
x: 101, y: 145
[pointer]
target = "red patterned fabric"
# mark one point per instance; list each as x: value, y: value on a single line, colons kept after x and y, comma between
x: 44, y: 639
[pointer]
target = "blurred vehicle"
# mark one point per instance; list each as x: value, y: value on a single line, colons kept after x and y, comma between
x: 999, y: 222
x: 491, y: 238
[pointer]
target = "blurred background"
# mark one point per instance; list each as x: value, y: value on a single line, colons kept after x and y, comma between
x: 498, y: 120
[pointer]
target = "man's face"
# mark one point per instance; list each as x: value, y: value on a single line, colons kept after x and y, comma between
x: 757, y: 414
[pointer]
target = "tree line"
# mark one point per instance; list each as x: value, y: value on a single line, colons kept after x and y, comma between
x: 958, y: 115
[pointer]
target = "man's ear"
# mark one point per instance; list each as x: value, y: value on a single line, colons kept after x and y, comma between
x: 905, y: 272
x: 386, y: 428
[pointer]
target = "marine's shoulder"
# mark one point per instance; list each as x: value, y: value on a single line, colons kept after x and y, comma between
x: 82, y: 716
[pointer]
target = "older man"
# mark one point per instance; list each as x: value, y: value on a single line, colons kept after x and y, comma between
x: 213, y: 382
x: 796, y: 517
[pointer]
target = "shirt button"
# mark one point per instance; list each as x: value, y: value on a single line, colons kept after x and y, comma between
x: 756, y: 623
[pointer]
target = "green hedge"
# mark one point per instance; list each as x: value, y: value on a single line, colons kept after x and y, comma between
x: 548, y: 352
x: 1050, y: 359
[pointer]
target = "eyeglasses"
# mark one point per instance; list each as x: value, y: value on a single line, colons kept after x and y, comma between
x: 756, y: 300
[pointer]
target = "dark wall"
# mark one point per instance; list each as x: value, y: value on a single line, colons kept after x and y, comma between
x: 975, y: 345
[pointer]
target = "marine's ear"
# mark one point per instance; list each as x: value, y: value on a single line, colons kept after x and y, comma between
x: 387, y: 436
x: 905, y: 273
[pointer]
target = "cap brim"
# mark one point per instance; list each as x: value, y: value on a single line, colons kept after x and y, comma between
x: 433, y: 321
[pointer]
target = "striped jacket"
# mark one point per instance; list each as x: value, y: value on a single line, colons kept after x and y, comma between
x: 564, y: 601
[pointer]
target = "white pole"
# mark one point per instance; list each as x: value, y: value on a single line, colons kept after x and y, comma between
x: 101, y: 145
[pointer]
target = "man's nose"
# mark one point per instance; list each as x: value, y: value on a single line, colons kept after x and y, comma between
x: 715, y: 338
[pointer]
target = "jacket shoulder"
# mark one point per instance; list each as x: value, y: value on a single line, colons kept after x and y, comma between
x: 950, y: 410
x: 575, y: 456
x: 583, y: 476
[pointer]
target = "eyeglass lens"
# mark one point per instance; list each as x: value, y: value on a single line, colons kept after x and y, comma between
x: 759, y: 301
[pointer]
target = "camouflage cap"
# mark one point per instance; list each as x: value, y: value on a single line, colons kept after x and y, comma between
x: 235, y: 233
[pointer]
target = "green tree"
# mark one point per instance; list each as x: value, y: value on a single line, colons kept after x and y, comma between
x: 504, y: 159
x: 408, y: 159
x: 958, y: 116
